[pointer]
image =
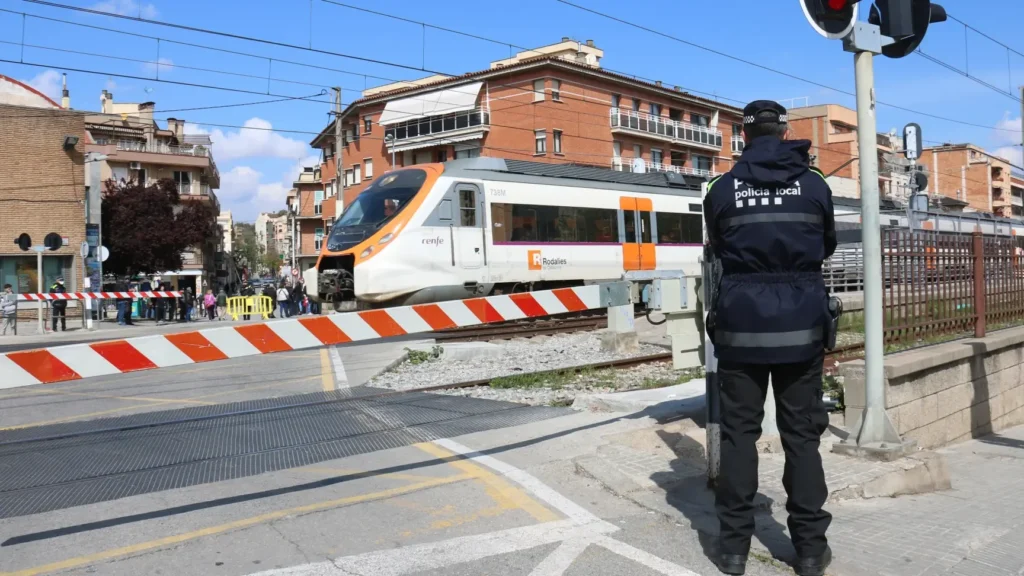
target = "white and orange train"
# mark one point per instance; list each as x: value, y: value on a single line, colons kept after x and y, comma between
x: 481, y: 226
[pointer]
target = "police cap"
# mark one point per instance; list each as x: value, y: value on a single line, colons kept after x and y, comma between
x: 752, y: 114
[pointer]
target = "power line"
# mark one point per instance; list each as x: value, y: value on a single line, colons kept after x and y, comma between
x: 761, y: 66
x: 212, y: 107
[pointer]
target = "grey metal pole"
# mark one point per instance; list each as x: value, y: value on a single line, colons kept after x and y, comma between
x: 39, y: 284
x: 875, y: 426
x: 713, y: 418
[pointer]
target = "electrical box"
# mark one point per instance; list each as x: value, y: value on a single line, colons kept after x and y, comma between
x: 672, y: 295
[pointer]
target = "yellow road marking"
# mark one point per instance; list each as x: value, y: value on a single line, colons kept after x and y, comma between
x: 326, y: 372
x: 395, y: 475
x: 504, y: 494
x: 221, y: 528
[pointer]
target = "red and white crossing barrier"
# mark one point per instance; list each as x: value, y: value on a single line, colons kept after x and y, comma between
x: 63, y: 363
x: 95, y: 295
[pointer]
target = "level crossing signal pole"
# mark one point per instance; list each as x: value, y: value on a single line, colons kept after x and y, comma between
x: 53, y: 241
x: 894, y: 28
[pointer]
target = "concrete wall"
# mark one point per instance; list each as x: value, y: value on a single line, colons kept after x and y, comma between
x: 950, y: 392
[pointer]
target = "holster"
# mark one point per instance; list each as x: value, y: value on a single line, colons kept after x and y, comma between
x: 713, y: 277
x: 835, y: 311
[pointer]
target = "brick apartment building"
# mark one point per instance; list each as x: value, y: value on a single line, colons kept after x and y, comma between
x: 42, y: 186
x: 967, y: 173
x: 306, y: 203
x: 138, y: 149
x: 832, y: 130
x: 552, y: 104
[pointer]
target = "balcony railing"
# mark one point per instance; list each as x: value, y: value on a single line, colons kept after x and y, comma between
x: 435, y: 125
x: 1016, y: 200
x: 621, y: 164
x: 135, y: 146
x: 665, y: 129
x: 737, y: 144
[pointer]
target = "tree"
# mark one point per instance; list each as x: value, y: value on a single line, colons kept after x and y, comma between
x: 146, y: 228
x: 272, y: 263
x: 247, y: 251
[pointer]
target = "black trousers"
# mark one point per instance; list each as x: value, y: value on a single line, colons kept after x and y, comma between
x: 802, y: 419
x: 60, y: 313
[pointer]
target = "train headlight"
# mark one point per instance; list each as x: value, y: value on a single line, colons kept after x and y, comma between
x: 387, y: 238
x: 366, y: 252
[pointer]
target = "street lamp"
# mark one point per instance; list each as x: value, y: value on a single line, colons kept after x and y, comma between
x: 389, y: 140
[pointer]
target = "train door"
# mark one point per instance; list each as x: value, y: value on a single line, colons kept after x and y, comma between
x: 469, y: 242
x: 636, y: 225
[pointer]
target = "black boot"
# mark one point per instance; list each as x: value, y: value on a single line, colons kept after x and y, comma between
x: 813, y: 565
x: 733, y: 564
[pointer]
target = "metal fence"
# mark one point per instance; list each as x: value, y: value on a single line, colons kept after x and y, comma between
x: 940, y: 285
x: 844, y: 271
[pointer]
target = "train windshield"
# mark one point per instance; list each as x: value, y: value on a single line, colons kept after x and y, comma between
x: 382, y: 199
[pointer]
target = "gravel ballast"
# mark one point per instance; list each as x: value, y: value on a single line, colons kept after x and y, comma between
x: 517, y: 357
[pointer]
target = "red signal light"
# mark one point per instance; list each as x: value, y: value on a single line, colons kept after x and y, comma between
x: 837, y: 4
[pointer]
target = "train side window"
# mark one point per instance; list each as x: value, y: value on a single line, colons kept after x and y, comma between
x: 676, y: 228
x: 444, y: 211
x: 467, y: 207
x: 630, y: 227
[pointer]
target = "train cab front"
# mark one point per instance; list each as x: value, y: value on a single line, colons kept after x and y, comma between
x: 365, y: 228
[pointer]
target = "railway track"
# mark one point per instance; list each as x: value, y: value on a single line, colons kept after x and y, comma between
x: 522, y: 329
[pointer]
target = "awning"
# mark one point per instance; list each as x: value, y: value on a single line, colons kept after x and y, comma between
x: 457, y: 99
x: 440, y: 140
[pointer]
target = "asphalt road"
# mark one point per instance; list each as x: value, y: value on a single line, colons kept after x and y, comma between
x: 418, y: 495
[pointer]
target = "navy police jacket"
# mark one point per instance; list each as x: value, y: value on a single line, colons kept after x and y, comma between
x: 770, y: 224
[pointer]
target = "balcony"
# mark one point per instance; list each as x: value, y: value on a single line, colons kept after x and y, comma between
x: 1016, y: 200
x: 158, y: 148
x: 621, y: 164
x: 445, y: 129
x: 737, y: 145
x: 632, y: 122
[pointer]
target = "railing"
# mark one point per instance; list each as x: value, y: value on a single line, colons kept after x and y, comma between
x: 661, y: 127
x: 844, y: 271
x: 939, y: 286
x: 1016, y: 200
x: 737, y: 145
x: 432, y: 125
x: 135, y: 146
x: 626, y: 165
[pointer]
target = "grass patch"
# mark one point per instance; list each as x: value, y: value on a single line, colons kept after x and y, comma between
x: 852, y: 322
x: 421, y: 356
x: 682, y: 378
x: 561, y: 403
x: 833, y: 385
x: 555, y: 380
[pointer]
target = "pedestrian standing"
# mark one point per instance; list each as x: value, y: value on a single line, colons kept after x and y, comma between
x: 9, y: 310
x: 283, y: 300
x: 222, y: 303
x: 60, y: 306
x: 770, y: 225
x: 269, y: 292
x: 210, y: 302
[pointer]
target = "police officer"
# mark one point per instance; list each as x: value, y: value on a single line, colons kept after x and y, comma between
x: 770, y: 224
x: 59, y: 306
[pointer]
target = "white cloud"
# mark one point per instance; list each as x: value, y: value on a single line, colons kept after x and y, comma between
x: 245, y: 192
x: 162, y: 65
x: 47, y: 82
x: 259, y: 141
x: 1015, y: 154
x: 127, y: 8
x: 1008, y: 130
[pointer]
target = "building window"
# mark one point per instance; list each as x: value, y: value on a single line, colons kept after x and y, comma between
x: 702, y: 162
x: 616, y: 148
x: 541, y: 142
x: 318, y: 238
x: 329, y: 187
x: 541, y: 224
x: 656, y: 156
x: 349, y: 177
x: 318, y: 199
x: 677, y: 158
x: 184, y: 182
x: 675, y: 115
x: 367, y: 124
x: 636, y: 104
x: 616, y: 100
x: 20, y: 272
x: 328, y: 224
x: 699, y: 119
x: 538, y: 90
x: 557, y: 141
x: 357, y: 173
x: 655, y: 109
x: 442, y: 155
x: 329, y: 152
x: 556, y: 90
x: 737, y: 129
x: 638, y: 151
x: 368, y: 168
x: 467, y: 153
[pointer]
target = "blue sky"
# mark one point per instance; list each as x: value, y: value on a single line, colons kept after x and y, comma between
x: 258, y: 166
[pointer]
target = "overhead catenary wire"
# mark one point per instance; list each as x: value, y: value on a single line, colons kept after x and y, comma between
x: 424, y: 69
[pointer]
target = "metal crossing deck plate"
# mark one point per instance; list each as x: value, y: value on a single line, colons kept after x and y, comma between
x: 60, y: 466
